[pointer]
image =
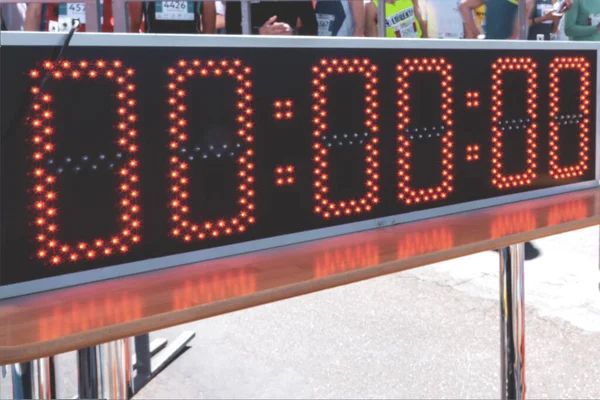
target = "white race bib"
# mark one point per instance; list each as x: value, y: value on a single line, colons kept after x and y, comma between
x: 174, y: 11
x: 403, y: 23
x: 325, y: 22
x: 68, y: 12
x: 76, y: 11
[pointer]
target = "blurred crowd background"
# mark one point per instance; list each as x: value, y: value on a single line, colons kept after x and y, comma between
x: 447, y: 19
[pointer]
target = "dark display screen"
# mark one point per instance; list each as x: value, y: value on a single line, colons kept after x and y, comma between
x: 113, y: 155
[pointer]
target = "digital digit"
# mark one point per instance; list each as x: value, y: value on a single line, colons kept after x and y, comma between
x: 179, y: 202
x: 558, y: 65
x: 407, y: 192
x: 45, y: 194
x: 501, y: 124
x: 324, y: 206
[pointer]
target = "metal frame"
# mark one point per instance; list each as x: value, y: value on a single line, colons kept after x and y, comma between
x: 125, y: 40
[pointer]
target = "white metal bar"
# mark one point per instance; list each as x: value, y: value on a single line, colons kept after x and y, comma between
x: 381, y: 18
x: 522, y: 20
x: 246, y: 17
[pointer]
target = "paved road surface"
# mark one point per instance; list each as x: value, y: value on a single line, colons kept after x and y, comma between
x: 426, y: 333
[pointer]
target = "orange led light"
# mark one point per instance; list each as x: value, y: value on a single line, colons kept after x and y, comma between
x: 472, y: 152
x: 283, y: 109
x: 499, y: 178
x: 557, y: 66
x: 472, y: 99
x: 179, y: 74
x: 284, y: 175
x: 45, y: 196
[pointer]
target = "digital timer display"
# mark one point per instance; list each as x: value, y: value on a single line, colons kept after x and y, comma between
x: 113, y: 155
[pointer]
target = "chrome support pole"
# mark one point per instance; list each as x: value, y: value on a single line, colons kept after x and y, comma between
x: 381, y: 18
x: 34, y: 379
x: 246, y: 17
x: 22, y: 381
x: 88, y: 373
x: 44, y: 382
x: 512, y: 322
x: 104, y: 371
x: 522, y: 20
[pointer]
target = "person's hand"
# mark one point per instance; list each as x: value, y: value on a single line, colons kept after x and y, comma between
x: 551, y: 16
x: 567, y: 6
x: 598, y: 27
x: 275, y: 28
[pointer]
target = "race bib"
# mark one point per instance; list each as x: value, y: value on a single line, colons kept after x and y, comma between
x: 76, y: 11
x: 68, y: 12
x: 174, y: 10
x: 325, y: 22
x: 594, y: 19
x: 543, y: 9
x: 403, y: 23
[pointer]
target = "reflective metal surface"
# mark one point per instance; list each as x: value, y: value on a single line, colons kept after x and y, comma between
x: 21, y: 380
x: 34, y: 379
x: 43, y: 382
x: 381, y: 18
x: 512, y: 322
x: 104, y: 371
x: 246, y: 18
x: 88, y: 374
x: 522, y: 20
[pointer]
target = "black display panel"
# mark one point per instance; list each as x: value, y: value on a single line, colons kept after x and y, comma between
x: 114, y: 155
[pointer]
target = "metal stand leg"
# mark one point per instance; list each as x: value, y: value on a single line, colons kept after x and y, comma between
x: 512, y: 323
x: 88, y: 379
x: 142, y: 362
x: 104, y: 371
x: 44, y: 382
x: 22, y: 381
x: 146, y: 365
x: 34, y: 379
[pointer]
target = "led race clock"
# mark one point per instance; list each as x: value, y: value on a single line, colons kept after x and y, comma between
x: 150, y: 156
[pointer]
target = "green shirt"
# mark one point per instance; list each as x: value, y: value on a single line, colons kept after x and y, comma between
x: 577, y: 20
